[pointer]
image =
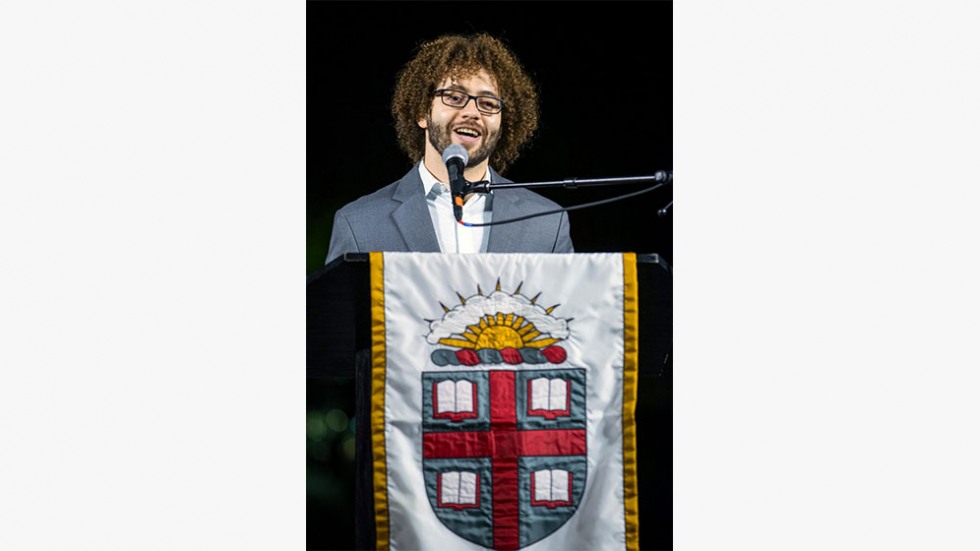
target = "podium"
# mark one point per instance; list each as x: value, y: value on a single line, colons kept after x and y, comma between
x: 338, y: 345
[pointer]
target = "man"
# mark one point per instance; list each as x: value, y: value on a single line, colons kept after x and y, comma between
x: 465, y: 90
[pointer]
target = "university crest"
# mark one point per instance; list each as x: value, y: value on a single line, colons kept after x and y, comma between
x: 504, y: 420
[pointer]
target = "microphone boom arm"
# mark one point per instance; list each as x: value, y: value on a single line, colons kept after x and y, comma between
x: 661, y: 176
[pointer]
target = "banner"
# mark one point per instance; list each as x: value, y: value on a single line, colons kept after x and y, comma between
x: 503, y: 392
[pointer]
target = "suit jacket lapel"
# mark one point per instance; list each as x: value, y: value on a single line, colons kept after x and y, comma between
x: 505, y: 238
x: 412, y: 216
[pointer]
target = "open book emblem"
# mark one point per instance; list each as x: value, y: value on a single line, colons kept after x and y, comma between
x: 551, y: 487
x: 504, y: 451
x: 548, y: 398
x: 454, y: 400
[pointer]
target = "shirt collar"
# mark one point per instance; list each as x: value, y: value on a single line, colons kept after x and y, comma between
x: 429, y: 181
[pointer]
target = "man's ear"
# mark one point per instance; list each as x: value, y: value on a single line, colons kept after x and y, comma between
x: 422, y: 123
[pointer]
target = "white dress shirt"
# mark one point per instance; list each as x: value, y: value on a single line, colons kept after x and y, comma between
x: 454, y: 237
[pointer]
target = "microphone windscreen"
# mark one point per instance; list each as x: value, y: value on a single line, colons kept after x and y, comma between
x: 455, y: 151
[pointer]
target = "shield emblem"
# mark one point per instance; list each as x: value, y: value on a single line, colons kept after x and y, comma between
x: 504, y: 452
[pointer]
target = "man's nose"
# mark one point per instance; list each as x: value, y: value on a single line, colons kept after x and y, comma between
x: 469, y: 108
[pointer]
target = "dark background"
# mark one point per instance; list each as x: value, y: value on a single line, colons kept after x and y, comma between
x: 604, y: 72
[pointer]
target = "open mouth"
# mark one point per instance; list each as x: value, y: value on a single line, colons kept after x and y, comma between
x: 467, y: 132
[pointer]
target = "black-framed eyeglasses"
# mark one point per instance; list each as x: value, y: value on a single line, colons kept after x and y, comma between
x: 488, y: 105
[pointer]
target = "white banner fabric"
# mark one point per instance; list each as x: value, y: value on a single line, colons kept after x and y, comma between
x: 503, y: 394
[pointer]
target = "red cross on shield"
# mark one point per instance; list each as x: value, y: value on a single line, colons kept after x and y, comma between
x: 504, y: 452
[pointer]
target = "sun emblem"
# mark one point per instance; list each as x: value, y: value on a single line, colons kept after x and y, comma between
x: 499, y: 327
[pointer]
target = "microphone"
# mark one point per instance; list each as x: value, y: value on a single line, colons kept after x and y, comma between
x: 456, y: 157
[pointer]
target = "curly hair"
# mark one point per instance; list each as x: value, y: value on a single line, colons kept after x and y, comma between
x: 460, y: 57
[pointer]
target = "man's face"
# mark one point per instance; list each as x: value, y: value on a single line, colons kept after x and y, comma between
x: 466, y: 126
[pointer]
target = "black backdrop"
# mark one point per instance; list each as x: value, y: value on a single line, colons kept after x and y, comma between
x: 604, y: 76
x: 604, y: 71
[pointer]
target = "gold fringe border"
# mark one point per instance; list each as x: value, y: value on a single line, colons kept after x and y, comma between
x: 378, y: 400
x: 631, y: 323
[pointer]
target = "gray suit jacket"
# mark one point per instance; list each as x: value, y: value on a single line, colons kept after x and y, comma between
x: 396, y: 218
